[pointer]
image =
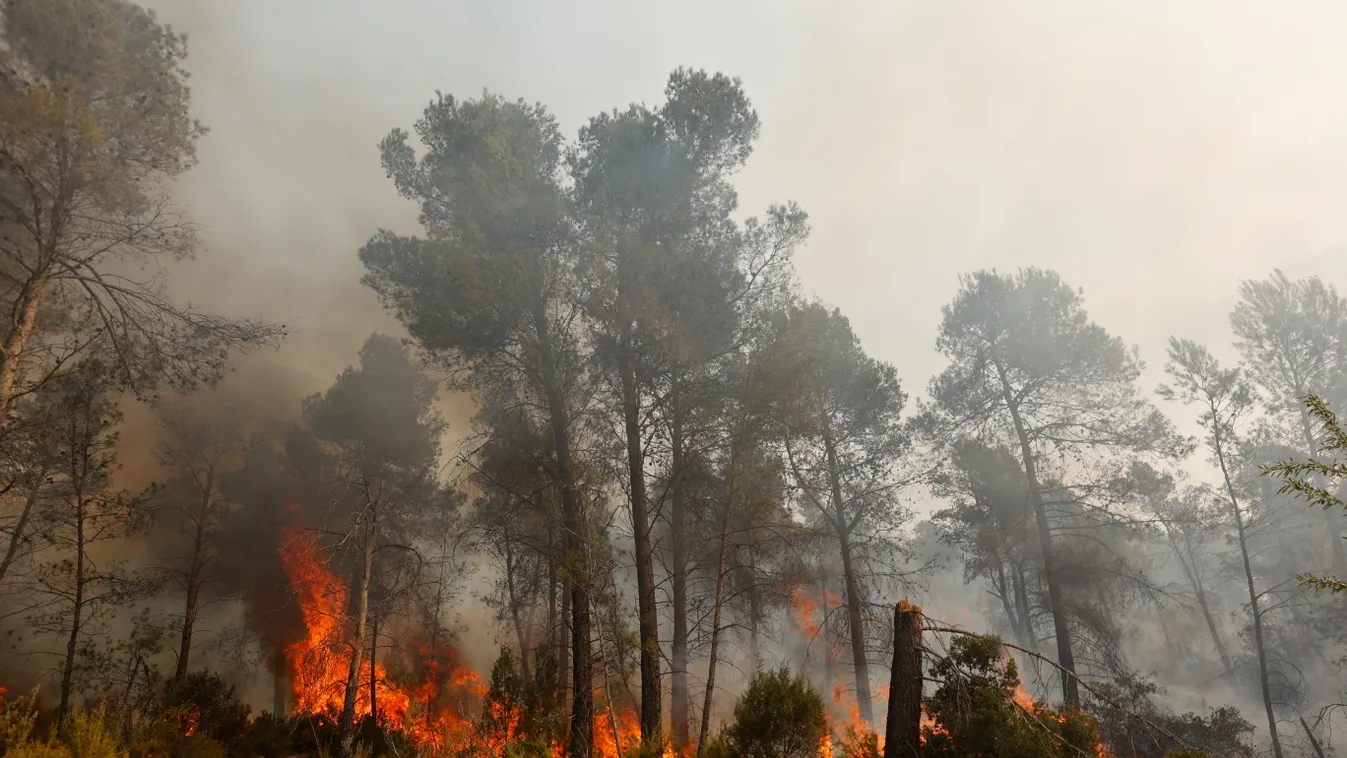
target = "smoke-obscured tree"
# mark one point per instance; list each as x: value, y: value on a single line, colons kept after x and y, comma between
x: 1224, y: 400
x: 844, y: 443
x: 372, y: 441
x: 96, y: 122
x: 1028, y: 369
x: 200, y: 452
x: 653, y: 201
x: 1292, y: 337
x: 488, y: 293
x: 76, y: 591
x: 1193, y: 521
x: 991, y: 523
x: 27, y: 467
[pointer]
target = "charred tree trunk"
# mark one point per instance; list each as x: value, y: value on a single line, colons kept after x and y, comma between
x: 902, y: 730
x: 855, y: 620
x: 1051, y: 571
x: 576, y: 564
x: 346, y: 724
x: 678, y: 671
x: 647, y: 613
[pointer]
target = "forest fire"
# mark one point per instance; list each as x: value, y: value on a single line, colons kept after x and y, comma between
x: 321, y: 662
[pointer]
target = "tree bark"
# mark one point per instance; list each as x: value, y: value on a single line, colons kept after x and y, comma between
x: 678, y: 671
x: 373, y: 663
x: 26, y: 308
x: 582, y: 654
x: 1060, y: 623
x: 718, y: 599
x: 1254, y: 608
x: 647, y: 612
x: 17, y: 536
x: 902, y: 729
x: 1200, y: 592
x: 346, y: 724
x: 76, y: 620
x: 855, y: 621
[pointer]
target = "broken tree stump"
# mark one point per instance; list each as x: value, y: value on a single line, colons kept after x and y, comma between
x: 902, y: 730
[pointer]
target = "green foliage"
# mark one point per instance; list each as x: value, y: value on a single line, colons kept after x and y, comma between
x: 525, y: 708
x: 89, y: 735
x: 1299, y: 477
x: 976, y: 712
x: 778, y: 716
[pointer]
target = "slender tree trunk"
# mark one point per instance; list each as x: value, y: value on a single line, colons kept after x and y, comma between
x: 1060, y: 623
x: 16, y: 537
x: 346, y: 724
x: 754, y: 613
x: 855, y: 621
x: 194, y: 573
x: 1200, y: 592
x: 76, y: 620
x: 25, y: 311
x: 1254, y: 609
x: 708, y: 697
x: 647, y: 612
x: 373, y: 666
x: 515, y: 602
x: 577, y: 568
x: 1022, y: 603
x: 902, y: 729
x: 280, y: 682
x: 1332, y: 518
x: 678, y: 671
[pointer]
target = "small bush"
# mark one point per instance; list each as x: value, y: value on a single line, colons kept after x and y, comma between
x: 88, y: 735
x: 779, y: 716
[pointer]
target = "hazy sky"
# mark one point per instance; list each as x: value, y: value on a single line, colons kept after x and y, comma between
x: 1155, y: 153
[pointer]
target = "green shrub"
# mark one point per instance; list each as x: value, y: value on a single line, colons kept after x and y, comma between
x: 88, y: 735
x: 779, y: 716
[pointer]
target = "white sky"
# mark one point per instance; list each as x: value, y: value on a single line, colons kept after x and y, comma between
x: 1154, y: 153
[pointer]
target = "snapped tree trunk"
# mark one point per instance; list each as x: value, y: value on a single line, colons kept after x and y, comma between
x: 678, y: 671
x: 647, y: 613
x: 1051, y: 572
x: 346, y: 724
x: 902, y: 729
x: 855, y: 620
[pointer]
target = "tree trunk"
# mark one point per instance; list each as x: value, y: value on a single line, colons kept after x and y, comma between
x: 577, y: 568
x: 855, y: 621
x: 346, y: 724
x: 1061, y: 626
x: 647, y: 612
x: 1332, y: 518
x: 754, y: 614
x: 1200, y: 593
x: 373, y: 666
x: 902, y: 730
x: 280, y: 682
x: 26, y: 307
x: 193, y: 601
x: 76, y: 620
x: 1254, y: 608
x: 514, y: 601
x: 17, y: 536
x: 718, y: 599
x: 1022, y: 603
x: 678, y: 671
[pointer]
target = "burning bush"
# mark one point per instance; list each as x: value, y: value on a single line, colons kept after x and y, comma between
x: 979, y: 709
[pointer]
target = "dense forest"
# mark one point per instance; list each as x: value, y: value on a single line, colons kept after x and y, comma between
x: 695, y: 514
